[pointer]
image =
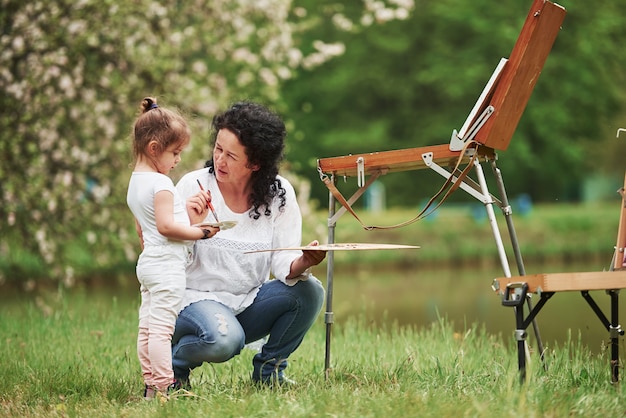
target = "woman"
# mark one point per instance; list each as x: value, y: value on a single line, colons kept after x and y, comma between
x: 230, y: 300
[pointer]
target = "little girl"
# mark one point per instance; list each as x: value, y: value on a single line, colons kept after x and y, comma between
x: 163, y: 225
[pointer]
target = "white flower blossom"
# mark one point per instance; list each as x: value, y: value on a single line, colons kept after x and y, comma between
x: 199, y: 67
x: 384, y: 15
x: 78, y: 92
x: 77, y: 27
x: 268, y: 77
x: 342, y: 22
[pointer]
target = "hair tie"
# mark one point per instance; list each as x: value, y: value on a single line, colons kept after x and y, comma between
x: 153, y: 106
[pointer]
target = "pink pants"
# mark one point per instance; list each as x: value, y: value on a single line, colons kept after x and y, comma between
x: 161, y: 273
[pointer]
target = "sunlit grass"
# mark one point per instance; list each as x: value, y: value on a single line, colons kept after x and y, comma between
x: 74, y: 355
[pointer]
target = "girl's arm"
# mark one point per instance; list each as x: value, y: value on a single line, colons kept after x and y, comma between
x: 164, y: 216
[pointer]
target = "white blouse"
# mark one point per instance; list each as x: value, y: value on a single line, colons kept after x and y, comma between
x: 221, y: 270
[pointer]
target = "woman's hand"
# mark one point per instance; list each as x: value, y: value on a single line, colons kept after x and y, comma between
x: 197, y: 206
x: 313, y: 257
x: 309, y: 258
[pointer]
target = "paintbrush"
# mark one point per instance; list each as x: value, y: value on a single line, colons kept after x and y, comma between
x: 209, y: 205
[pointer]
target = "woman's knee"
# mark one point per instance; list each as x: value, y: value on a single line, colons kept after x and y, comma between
x: 191, y: 351
x: 313, y: 291
x: 228, y: 339
x: 208, y: 331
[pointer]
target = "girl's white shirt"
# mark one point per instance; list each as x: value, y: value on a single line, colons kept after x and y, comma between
x: 142, y: 188
x: 220, y: 270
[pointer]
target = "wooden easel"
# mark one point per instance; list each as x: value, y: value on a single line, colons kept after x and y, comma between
x: 515, y: 289
x: 489, y: 127
x: 620, y: 246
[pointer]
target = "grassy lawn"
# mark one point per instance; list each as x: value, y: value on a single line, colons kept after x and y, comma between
x: 73, y: 355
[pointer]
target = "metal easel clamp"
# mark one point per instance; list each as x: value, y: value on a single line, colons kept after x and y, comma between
x: 457, y: 143
x: 428, y: 158
x: 518, y: 296
x: 615, y: 332
x: 521, y: 334
x: 360, y: 171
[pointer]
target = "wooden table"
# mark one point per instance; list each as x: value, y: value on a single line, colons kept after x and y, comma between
x: 514, y: 291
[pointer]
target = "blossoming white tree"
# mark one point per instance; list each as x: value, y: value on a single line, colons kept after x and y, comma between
x: 72, y: 73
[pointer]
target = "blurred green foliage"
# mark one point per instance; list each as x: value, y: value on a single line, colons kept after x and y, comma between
x: 349, y: 76
x: 72, y: 75
x: 411, y: 82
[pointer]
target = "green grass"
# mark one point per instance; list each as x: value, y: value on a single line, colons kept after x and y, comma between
x: 73, y: 355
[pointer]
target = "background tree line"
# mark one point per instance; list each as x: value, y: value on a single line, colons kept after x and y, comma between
x: 410, y: 83
x: 349, y: 76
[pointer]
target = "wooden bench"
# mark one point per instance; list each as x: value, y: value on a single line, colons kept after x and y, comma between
x: 514, y: 291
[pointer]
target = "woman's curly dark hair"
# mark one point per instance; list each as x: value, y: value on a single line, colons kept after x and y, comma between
x: 262, y: 133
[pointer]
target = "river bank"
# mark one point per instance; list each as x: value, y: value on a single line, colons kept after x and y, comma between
x: 457, y: 238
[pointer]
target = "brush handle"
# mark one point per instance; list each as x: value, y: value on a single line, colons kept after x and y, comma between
x: 209, y: 205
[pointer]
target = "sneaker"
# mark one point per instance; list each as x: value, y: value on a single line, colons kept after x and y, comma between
x: 275, y: 382
x: 180, y: 388
x: 149, y: 392
x: 287, y: 382
x: 180, y: 384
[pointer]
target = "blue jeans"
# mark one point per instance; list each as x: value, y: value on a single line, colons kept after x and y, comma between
x: 207, y: 331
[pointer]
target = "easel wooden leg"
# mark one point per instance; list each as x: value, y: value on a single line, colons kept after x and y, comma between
x: 618, y: 259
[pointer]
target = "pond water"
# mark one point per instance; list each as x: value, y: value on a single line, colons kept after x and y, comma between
x: 464, y: 297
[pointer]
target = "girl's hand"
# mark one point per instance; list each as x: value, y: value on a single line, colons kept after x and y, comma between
x: 208, y: 232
